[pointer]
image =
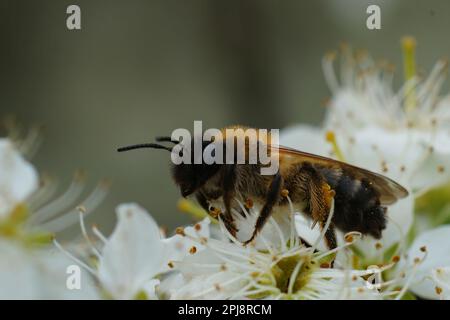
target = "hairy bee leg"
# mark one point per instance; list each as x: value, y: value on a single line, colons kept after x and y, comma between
x: 229, y: 182
x: 272, y: 198
x: 330, y: 239
x: 320, y: 201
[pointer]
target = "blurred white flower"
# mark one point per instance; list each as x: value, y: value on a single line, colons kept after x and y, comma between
x: 18, y: 178
x: 364, y: 94
x: 27, y: 273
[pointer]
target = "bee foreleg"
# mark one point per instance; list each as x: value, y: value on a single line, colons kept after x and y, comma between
x: 272, y: 198
x: 202, y: 201
x: 229, y: 181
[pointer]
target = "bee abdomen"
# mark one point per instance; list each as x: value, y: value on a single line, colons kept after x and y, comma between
x: 357, y: 206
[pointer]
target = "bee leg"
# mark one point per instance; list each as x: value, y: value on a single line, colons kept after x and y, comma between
x: 320, y: 201
x: 272, y: 198
x: 202, y: 201
x: 229, y: 182
x: 330, y: 240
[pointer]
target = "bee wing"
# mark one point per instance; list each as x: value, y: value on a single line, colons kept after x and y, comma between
x: 389, y: 190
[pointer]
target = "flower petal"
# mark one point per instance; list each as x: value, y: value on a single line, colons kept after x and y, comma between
x: 133, y: 254
x: 18, y: 178
x: 437, y: 244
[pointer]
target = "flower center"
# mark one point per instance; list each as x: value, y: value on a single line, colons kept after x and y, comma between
x: 284, y: 270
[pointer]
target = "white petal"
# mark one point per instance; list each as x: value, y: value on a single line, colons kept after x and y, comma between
x: 18, y: 178
x: 441, y: 277
x: 437, y: 245
x: 306, y: 138
x: 18, y: 276
x: 303, y: 227
x: 133, y: 254
x: 177, y: 247
x: 42, y: 274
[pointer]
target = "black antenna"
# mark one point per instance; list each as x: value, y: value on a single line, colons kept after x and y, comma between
x: 166, y: 139
x: 142, y: 146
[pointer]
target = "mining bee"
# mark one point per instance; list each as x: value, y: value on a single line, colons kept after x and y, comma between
x: 311, y: 182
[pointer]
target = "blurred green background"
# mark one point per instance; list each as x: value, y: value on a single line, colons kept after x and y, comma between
x: 138, y: 69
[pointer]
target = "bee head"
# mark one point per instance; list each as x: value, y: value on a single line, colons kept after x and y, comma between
x: 190, y: 175
x: 195, y: 173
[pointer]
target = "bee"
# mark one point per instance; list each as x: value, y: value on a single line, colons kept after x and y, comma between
x: 310, y: 181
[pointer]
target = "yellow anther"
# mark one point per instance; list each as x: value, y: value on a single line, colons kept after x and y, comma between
x: 214, y: 212
x: 249, y: 203
x: 331, y: 138
x: 409, y: 65
x: 193, y: 250
x: 180, y: 231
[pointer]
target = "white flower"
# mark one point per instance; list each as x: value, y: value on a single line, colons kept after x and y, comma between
x: 18, y: 178
x: 441, y: 277
x: 364, y: 95
x: 128, y: 263
x: 283, y: 269
x: 391, y: 154
x: 133, y: 254
x: 38, y: 274
x: 430, y: 274
x: 409, y: 130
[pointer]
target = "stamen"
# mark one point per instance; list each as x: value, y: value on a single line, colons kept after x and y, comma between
x: 91, y: 203
x: 99, y: 235
x: 60, y: 204
x: 46, y: 190
x: 32, y: 141
x: 328, y: 70
x: 82, y: 211
x: 72, y: 257
x: 293, y: 235
x: 331, y: 138
x: 325, y: 228
x: 409, y: 65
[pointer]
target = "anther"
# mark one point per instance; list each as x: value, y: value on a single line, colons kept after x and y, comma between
x: 348, y: 238
x: 193, y: 250
x: 81, y: 209
x: 248, y: 203
x: 180, y: 231
x: 284, y: 193
x: 197, y: 227
x: 331, y: 138
x: 423, y: 249
x: 438, y: 290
